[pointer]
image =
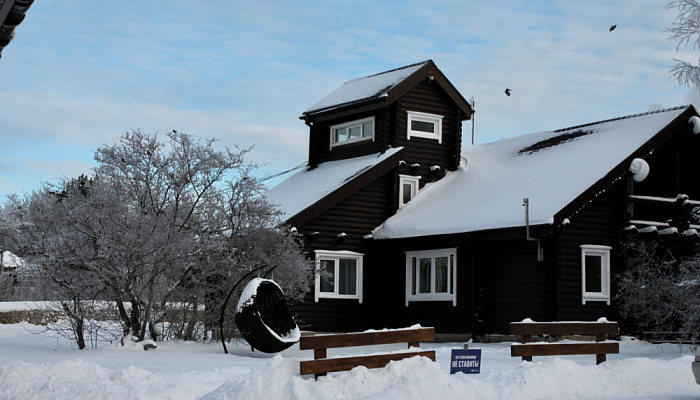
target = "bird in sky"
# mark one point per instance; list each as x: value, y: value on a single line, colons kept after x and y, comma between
x: 612, y: 28
x: 507, y: 92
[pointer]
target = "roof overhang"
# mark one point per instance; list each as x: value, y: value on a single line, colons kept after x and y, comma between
x: 622, y: 169
x: 384, y: 98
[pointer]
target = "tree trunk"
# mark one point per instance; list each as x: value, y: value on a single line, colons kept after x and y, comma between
x: 125, y: 317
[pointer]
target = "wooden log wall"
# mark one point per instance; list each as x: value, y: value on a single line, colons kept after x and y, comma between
x: 598, y: 223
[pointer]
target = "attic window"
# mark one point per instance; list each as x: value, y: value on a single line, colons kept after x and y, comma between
x: 408, y: 188
x: 555, y: 141
x: 353, y: 131
x: 423, y: 125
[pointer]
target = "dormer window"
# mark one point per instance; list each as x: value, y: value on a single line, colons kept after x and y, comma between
x: 408, y: 188
x: 354, y: 131
x: 423, y: 125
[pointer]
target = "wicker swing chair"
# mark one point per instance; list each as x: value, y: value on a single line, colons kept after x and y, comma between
x: 264, y: 319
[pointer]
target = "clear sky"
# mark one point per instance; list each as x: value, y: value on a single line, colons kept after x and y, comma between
x: 79, y: 73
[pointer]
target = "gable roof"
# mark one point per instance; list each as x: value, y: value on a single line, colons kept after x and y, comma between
x: 312, y: 191
x: 385, y: 88
x: 559, y: 171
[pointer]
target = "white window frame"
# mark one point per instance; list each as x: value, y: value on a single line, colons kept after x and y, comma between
x: 451, y: 295
x: 336, y: 256
x: 604, y: 253
x: 352, y: 124
x: 410, y: 180
x: 435, y: 119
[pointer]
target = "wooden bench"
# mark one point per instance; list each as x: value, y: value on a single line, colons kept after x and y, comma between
x: 600, y: 347
x: 321, y: 365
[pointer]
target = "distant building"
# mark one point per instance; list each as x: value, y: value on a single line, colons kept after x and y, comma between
x: 9, y: 262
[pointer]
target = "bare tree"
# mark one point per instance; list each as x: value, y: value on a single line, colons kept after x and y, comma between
x: 660, y: 293
x: 160, y: 229
x: 686, y: 32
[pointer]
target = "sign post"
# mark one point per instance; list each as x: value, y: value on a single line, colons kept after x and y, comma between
x: 465, y: 361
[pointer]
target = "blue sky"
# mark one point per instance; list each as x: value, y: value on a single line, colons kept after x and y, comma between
x: 79, y: 73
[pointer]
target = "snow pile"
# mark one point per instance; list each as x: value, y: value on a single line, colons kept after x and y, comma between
x: 639, y: 169
x: 37, y: 367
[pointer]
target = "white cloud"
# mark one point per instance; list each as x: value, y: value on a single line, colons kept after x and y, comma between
x: 82, y: 72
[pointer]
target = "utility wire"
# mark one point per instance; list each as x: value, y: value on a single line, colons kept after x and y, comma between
x: 305, y: 163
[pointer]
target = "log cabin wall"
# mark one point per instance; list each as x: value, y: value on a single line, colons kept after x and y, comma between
x: 509, y: 281
x: 355, y: 217
x: 390, y: 262
x: 673, y: 168
x: 429, y: 97
x: 597, y: 223
x: 320, y: 137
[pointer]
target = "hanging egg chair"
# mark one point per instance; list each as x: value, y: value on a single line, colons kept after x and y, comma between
x: 263, y: 317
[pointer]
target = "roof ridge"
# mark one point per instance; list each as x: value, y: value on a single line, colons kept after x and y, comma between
x: 623, y: 117
x: 391, y: 70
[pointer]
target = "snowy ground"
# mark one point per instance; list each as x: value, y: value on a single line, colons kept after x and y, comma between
x: 43, y: 367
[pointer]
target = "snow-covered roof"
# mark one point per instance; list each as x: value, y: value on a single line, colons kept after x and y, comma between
x: 363, y: 89
x: 11, y: 261
x: 550, y: 168
x: 307, y: 187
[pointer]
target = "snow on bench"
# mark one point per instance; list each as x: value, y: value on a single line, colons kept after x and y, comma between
x: 321, y: 364
x: 527, y: 329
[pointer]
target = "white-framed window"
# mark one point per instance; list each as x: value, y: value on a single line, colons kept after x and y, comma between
x: 595, y: 273
x: 338, y: 275
x: 354, y: 131
x: 424, y: 125
x: 431, y: 275
x: 408, y: 188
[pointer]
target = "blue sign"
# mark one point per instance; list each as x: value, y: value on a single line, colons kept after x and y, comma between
x: 466, y: 361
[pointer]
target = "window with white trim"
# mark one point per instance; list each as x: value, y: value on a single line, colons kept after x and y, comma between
x: 354, y: 131
x: 338, y: 275
x: 408, y: 188
x: 424, y: 125
x: 431, y: 275
x: 595, y: 273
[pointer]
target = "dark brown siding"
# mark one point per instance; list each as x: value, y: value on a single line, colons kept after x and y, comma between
x: 319, y: 147
x: 598, y: 223
x: 674, y: 168
x: 442, y: 315
x: 428, y: 97
x: 509, y: 284
x: 355, y: 216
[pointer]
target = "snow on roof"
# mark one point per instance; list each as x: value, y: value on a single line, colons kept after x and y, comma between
x: 9, y: 260
x: 369, y: 87
x: 305, y: 188
x: 550, y: 168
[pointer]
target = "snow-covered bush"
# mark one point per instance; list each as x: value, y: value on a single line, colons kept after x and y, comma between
x: 660, y: 293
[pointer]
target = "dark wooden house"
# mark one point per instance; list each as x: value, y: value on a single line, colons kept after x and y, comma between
x: 409, y: 227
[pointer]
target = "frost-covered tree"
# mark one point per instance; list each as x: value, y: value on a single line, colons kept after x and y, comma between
x: 686, y: 32
x: 161, y: 229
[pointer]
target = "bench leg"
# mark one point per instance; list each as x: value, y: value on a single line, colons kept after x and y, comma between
x: 599, y: 358
x: 527, y: 358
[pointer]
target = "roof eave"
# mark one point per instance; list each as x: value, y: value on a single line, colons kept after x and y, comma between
x: 430, y: 71
x: 622, y: 169
x: 345, y: 191
x: 427, y: 71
